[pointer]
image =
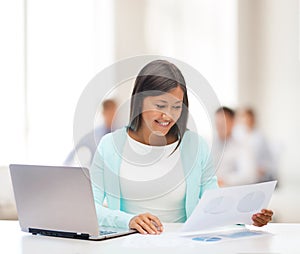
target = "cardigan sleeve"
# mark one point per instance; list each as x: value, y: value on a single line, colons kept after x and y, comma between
x: 106, y: 216
x: 208, y: 178
x: 199, y: 169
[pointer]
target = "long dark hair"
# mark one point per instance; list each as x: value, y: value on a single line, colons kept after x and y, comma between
x: 156, y: 78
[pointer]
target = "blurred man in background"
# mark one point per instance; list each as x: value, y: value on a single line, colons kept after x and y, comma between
x: 85, y: 149
x: 246, y: 131
x: 236, y: 164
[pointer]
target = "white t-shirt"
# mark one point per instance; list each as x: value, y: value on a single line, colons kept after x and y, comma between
x: 237, y: 163
x: 153, y: 181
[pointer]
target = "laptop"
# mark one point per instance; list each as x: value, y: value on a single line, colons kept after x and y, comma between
x: 58, y: 201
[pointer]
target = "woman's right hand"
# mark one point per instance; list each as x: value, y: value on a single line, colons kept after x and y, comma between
x: 146, y: 223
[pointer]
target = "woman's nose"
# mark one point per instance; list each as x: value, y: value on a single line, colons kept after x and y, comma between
x: 166, y: 114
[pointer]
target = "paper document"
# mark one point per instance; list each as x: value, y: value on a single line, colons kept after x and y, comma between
x: 229, y: 205
x: 228, y: 236
x: 164, y: 240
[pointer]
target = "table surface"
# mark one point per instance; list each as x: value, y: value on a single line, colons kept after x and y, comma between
x: 285, y: 238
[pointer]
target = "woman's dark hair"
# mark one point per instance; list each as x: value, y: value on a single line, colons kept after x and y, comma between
x: 157, y: 78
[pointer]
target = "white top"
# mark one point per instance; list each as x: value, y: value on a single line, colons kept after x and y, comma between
x: 152, y: 181
x: 236, y: 165
x: 263, y: 157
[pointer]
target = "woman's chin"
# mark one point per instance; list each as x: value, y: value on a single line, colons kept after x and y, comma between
x: 158, y: 138
x: 159, y: 133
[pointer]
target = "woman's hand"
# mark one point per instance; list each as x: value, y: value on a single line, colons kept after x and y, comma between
x: 262, y: 218
x: 146, y: 223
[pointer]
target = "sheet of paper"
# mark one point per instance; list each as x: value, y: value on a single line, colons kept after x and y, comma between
x: 165, y: 240
x: 227, y: 236
x: 174, y: 240
x: 227, y: 206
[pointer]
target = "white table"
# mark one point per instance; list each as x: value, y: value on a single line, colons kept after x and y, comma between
x: 286, y: 239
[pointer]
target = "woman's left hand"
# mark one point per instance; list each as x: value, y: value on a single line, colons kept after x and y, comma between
x: 262, y: 218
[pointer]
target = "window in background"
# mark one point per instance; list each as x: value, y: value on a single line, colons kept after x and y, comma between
x: 68, y: 41
x: 12, y: 89
x: 49, y: 52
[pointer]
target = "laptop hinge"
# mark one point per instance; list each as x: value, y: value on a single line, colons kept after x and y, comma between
x: 73, y: 235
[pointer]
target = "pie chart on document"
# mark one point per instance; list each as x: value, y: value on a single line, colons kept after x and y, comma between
x: 218, y: 205
x: 251, y: 202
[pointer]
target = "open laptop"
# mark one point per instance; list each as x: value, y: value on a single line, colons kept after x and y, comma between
x: 58, y: 201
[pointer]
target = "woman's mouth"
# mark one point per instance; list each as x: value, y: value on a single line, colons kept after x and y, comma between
x: 163, y: 123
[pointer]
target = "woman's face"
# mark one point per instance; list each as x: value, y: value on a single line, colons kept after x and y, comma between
x: 161, y: 112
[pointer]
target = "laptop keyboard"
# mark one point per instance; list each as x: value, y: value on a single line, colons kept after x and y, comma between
x: 106, y: 232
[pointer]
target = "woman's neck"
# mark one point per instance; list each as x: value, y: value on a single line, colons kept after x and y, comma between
x: 151, y: 138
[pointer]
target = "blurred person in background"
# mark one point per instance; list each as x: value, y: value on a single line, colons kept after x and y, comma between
x: 247, y: 132
x: 86, y: 147
x: 236, y: 163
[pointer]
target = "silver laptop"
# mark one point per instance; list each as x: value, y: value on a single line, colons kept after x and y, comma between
x: 58, y: 201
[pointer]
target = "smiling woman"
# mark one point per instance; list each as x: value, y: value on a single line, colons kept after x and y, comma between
x: 160, y: 113
x: 159, y: 104
x: 155, y: 170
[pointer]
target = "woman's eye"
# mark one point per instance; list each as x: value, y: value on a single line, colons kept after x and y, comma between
x: 177, y: 107
x: 160, y: 106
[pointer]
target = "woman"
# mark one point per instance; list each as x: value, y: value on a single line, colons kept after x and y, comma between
x: 154, y: 170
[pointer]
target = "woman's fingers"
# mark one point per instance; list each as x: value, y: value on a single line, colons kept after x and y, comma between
x: 267, y: 212
x: 156, y: 221
x: 258, y: 221
x: 266, y: 218
x: 139, y: 229
x: 137, y: 223
x: 262, y: 218
x: 146, y: 224
x: 146, y: 227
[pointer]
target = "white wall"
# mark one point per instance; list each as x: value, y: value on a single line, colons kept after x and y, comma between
x: 200, y: 33
x: 269, y: 73
x: 269, y: 79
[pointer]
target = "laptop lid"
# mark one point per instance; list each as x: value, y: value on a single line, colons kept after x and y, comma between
x: 54, y: 198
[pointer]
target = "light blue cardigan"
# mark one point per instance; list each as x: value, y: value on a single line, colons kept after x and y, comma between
x: 105, y: 169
